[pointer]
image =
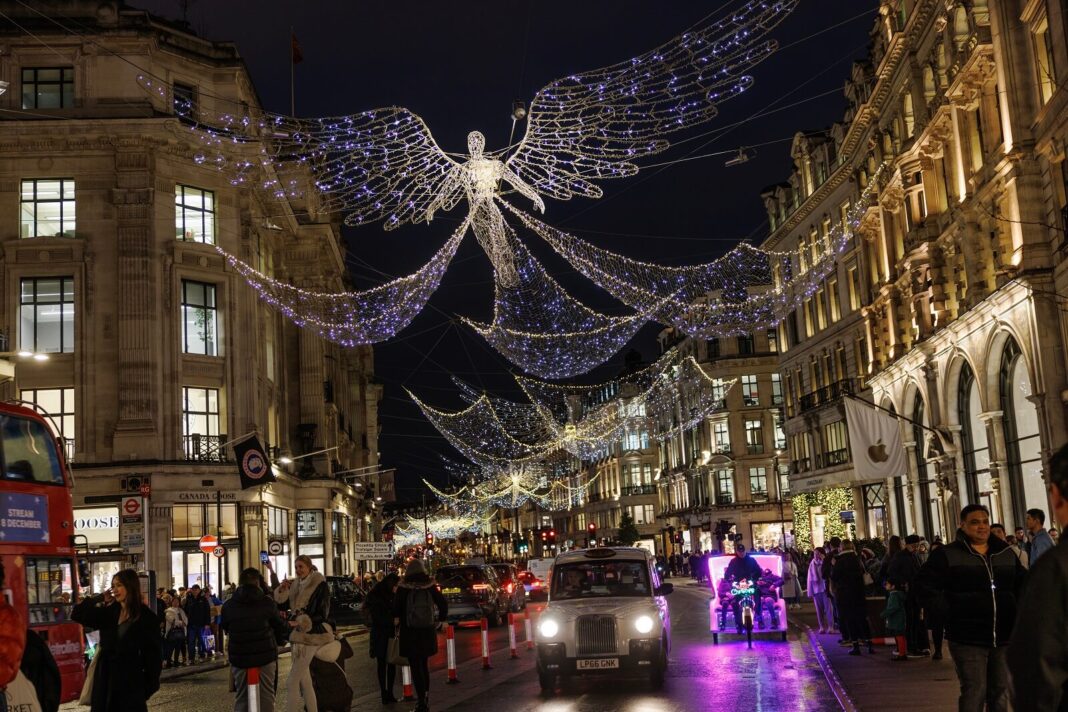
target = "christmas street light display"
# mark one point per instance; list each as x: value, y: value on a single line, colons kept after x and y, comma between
x: 384, y: 165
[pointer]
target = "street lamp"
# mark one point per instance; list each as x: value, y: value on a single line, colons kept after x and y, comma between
x: 778, y: 486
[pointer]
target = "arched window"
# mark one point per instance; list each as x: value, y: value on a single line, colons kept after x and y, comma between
x: 901, y: 511
x: 930, y: 512
x: 974, y: 447
x: 1023, y: 448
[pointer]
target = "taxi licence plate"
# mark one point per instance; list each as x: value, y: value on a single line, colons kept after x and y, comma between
x: 597, y: 664
x: 450, y: 591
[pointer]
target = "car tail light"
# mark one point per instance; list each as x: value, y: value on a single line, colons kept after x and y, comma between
x: 536, y: 583
x: 481, y: 587
x: 509, y: 587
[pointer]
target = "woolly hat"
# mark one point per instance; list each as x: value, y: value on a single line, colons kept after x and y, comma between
x: 414, y: 568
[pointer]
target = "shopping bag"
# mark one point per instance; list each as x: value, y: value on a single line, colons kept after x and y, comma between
x: 87, y: 688
x: 393, y: 653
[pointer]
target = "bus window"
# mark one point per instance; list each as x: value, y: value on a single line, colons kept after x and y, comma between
x: 29, y: 452
x: 49, y: 589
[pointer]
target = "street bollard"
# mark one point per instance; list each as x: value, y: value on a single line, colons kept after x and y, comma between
x: 252, y: 678
x: 485, y: 645
x: 450, y: 654
x: 527, y: 627
x: 511, y: 636
x: 406, y: 680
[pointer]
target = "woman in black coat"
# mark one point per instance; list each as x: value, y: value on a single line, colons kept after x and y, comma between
x: 129, y: 658
x: 379, y: 609
x: 418, y: 645
x: 848, y: 579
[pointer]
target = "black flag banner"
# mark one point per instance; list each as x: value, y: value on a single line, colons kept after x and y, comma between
x: 252, y: 463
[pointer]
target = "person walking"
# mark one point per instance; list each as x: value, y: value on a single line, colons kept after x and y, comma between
x: 1041, y: 541
x: 307, y: 598
x: 413, y: 618
x: 255, y: 630
x: 975, y: 580
x: 817, y: 591
x: 129, y: 659
x: 379, y: 609
x: 791, y: 586
x: 1038, y: 654
x: 175, y: 633
x: 848, y: 579
x: 198, y: 613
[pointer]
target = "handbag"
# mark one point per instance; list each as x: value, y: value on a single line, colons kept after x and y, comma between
x: 86, y: 698
x: 329, y: 653
x: 393, y: 653
x: 868, y: 580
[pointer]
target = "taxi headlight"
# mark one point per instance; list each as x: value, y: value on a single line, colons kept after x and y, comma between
x: 643, y: 624
x: 548, y: 628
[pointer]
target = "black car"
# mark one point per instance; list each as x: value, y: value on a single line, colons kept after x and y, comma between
x: 473, y: 592
x: 508, y: 575
x: 345, y: 601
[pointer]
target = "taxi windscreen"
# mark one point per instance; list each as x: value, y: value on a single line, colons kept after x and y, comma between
x: 594, y: 579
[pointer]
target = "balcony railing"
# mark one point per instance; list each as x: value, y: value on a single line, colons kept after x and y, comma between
x: 802, y: 464
x: 636, y: 490
x: 206, y: 448
x: 754, y: 448
x: 827, y: 394
x: 832, y: 458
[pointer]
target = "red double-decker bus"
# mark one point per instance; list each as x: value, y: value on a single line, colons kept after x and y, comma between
x: 36, y: 537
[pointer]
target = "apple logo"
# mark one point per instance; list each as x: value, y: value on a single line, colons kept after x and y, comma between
x: 877, y: 452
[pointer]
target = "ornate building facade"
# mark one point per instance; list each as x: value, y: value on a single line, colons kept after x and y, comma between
x: 959, y: 253
x: 160, y: 354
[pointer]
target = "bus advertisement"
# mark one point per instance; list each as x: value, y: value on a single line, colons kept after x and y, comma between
x: 36, y: 546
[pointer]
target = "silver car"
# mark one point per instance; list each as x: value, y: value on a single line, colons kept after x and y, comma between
x: 607, y: 612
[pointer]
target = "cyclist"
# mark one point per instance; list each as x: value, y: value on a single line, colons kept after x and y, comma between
x: 744, y: 567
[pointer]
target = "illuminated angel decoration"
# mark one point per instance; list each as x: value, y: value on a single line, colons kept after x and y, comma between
x: 384, y: 165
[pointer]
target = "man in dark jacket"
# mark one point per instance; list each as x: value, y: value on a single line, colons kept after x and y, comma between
x: 975, y: 582
x: 255, y: 629
x: 1038, y: 656
x: 198, y: 611
x: 902, y: 572
x: 744, y: 566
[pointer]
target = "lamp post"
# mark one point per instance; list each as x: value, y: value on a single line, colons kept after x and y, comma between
x: 778, y: 487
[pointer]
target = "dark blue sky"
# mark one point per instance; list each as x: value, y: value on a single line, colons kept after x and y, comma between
x: 460, y: 65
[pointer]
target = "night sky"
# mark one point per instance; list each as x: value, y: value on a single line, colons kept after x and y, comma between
x: 460, y: 65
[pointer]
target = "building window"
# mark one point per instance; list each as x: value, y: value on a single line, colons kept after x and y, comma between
x: 725, y: 486
x: 758, y: 483
x: 832, y: 294
x: 200, y: 319
x: 784, y: 482
x: 821, y: 308
x: 853, y: 273
x: 59, y: 404
x: 1020, y: 422
x: 776, y: 389
x: 745, y: 345
x: 713, y: 348
x: 721, y: 435
x: 919, y: 436
x: 750, y: 391
x: 773, y: 341
x: 810, y: 321
x: 780, y: 435
x: 200, y: 423
x: 643, y: 514
x: 46, y: 323
x: 47, y: 87
x: 1044, y: 62
x: 185, y: 100
x: 835, y: 443
x: 974, y: 449
x: 47, y: 207
x: 194, y: 214
x: 754, y: 437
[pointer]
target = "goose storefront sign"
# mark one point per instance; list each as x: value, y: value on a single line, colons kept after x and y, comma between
x: 99, y: 525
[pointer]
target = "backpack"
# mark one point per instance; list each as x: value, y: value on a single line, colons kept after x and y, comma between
x: 420, y: 610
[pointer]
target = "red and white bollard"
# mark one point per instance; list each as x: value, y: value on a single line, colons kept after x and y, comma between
x: 450, y: 654
x: 406, y: 680
x: 252, y: 679
x: 511, y: 636
x: 485, y: 645
x: 529, y: 630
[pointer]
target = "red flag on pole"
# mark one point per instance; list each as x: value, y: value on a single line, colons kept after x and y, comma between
x: 298, y: 56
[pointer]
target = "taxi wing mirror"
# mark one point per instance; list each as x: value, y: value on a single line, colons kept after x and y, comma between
x: 664, y: 589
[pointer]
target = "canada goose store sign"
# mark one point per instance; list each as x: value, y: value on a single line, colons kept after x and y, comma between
x: 99, y: 525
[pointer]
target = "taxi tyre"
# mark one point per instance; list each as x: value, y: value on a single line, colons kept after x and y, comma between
x: 657, y: 674
x: 546, y: 680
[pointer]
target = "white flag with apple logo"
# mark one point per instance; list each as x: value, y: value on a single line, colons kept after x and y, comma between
x: 874, y: 442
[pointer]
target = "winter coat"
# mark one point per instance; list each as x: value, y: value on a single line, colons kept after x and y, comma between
x: 791, y: 586
x: 848, y: 579
x: 894, y: 613
x: 418, y: 642
x: 745, y: 567
x: 1041, y: 542
x: 12, y: 641
x: 254, y: 626
x: 197, y: 610
x: 332, y: 690
x: 816, y: 583
x: 902, y: 570
x: 1038, y: 656
x: 39, y: 667
x: 174, y: 617
x: 129, y: 665
x: 308, y: 600
x: 379, y: 608
x: 977, y: 594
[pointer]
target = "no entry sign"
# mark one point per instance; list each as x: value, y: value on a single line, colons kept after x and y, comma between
x: 208, y: 544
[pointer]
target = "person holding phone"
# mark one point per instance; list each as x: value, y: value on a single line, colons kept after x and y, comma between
x: 128, y: 659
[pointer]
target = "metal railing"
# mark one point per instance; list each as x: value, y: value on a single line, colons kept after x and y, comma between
x: 635, y: 490
x: 827, y: 394
x: 206, y: 448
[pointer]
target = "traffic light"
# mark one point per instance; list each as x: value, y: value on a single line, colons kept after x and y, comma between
x: 552, y: 536
x: 544, y: 535
x: 429, y: 540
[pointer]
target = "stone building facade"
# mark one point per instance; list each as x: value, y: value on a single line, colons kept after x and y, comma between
x: 959, y: 254
x: 160, y: 354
